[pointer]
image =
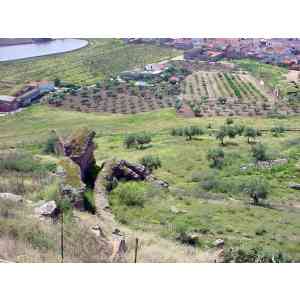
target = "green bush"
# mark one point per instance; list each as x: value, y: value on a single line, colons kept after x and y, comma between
x: 216, y: 155
x: 137, y: 140
x: 259, y: 152
x: 23, y: 162
x: 89, y: 201
x: 251, y: 133
x: 130, y: 194
x: 254, y: 255
x: 51, y: 144
x: 277, y: 131
x: 151, y: 162
x: 257, y: 189
x: 221, y: 134
x: 229, y: 121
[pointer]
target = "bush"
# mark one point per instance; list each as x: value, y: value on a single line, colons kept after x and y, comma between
x: 23, y: 162
x: 257, y: 189
x: 216, y: 155
x: 221, y: 134
x: 254, y: 255
x: 142, y: 139
x: 137, y: 140
x: 50, y: 146
x: 151, y: 162
x: 229, y: 121
x: 277, y: 131
x: 259, y: 152
x: 251, y: 132
x: 130, y: 194
x: 130, y: 140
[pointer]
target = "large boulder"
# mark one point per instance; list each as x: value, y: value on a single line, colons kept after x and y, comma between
x: 48, y: 209
x: 11, y: 197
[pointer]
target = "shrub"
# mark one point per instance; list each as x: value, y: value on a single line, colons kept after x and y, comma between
x: 277, y: 131
x: 257, y: 189
x: 251, y: 132
x: 259, y: 152
x: 23, y: 162
x: 89, y: 201
x: 142, y: 139
x: 151, y: 162
x: 210, y: 182
x: 130, y: 140
x: 216, y: 155
x: 254, y: 255
x: 239, y: 129
x: 51, y: 144
x: 130, y: 194
x: 229, y: 121
x: 221, y: 134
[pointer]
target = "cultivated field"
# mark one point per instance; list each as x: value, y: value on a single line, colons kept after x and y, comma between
x: 229, y: 94
x: 122, y: 98
x: 102, y: 59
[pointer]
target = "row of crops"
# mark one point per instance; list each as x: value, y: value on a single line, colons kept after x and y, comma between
x: 222, y: 84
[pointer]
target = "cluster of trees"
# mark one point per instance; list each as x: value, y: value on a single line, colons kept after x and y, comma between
x: 188, y: 132
x: 231, y: 130
x: 137, y: 140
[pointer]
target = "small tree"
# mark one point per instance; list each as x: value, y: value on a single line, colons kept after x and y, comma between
x: 151, y: 162
x: 130, y: 140
x: 221, y: 134
x: 251, y: 132
x: 257, y: 189
x: 259, y: 152
x: 217, y: 157
x: 142, y: 139
x: 277, y: 131
x: 229, y: 121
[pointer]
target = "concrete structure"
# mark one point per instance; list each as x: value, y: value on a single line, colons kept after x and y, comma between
x: 25, y: 96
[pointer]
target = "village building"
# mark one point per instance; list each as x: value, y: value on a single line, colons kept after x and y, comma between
x: 25, y: 96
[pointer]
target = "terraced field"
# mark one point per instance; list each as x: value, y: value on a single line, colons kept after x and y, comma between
x: 228, y: 94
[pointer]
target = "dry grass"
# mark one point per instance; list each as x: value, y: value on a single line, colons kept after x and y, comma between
x: 154, y: 249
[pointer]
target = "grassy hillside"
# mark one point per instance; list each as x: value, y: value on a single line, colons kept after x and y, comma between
x: 101, y: 59
x: 202, y: 199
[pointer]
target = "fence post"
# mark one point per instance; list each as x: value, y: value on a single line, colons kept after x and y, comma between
x: 136, y: 250
x: 62, y: 237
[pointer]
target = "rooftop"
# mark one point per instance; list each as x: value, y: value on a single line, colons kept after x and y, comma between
x: 4, y: 98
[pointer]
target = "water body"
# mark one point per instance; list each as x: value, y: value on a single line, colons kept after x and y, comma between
x: 15, y: 52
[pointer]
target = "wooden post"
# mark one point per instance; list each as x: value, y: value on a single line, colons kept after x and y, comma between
x: 62, y: 237
x: 136, y: 250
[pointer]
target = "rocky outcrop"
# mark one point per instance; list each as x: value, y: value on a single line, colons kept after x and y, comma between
x: 71, y: 186
x: 114, y: 170
x: 80, y: 148
x: 11, y: 197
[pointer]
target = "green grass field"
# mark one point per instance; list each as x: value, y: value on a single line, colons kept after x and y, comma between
x: 223, y: 212
x: 101, y: 59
